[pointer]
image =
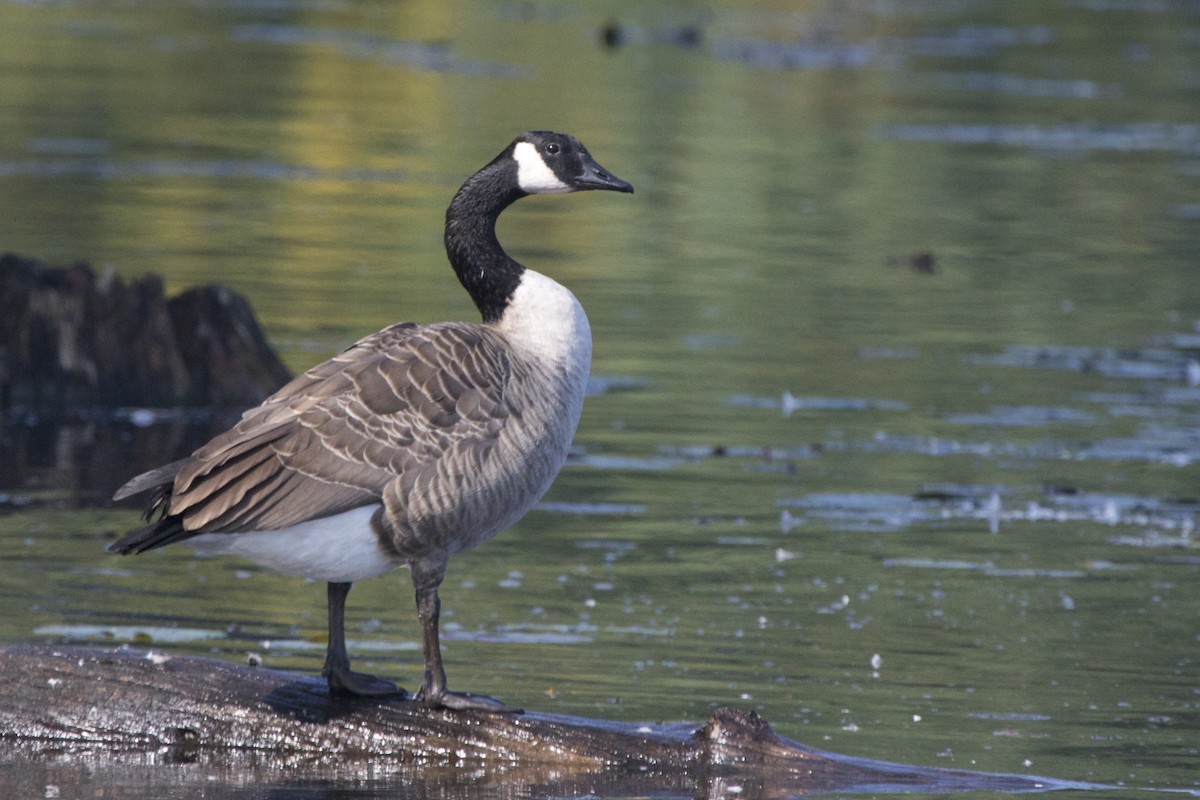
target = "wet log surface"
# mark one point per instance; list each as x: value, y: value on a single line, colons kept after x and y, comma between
x: 122, y: 713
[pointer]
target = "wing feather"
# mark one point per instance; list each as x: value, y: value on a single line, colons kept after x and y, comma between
x: 333, y: 438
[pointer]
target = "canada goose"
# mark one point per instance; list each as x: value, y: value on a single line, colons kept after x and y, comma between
x: 416, y: 443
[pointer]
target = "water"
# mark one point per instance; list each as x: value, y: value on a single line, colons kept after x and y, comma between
x: 896, y: 424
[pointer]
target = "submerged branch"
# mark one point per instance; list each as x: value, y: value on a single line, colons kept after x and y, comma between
x: 121, y: 710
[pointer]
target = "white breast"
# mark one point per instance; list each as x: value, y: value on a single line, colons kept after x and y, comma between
x: 545, y: 323
x: 551, y: 345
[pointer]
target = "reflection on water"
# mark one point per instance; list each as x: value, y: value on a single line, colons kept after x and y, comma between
x: 85, y: 460
x: 417, y: 55
x: 938, y: 515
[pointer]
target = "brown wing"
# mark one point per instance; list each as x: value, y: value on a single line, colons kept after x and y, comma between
x: 334, y: 437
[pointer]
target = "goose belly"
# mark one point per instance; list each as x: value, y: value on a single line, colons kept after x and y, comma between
x: 340, y: 549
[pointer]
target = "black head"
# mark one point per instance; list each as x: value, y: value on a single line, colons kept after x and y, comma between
x: 553, y: 163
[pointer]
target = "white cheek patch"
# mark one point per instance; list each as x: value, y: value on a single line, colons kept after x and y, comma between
x: 533, y: 176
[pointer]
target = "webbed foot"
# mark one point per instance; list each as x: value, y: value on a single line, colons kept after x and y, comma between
x: 345, y: 683
x: 462, y: 701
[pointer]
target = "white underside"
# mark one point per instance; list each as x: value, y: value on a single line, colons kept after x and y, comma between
x: 339, y: 549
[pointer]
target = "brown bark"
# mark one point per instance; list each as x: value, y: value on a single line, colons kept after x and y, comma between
x: 119, y: 712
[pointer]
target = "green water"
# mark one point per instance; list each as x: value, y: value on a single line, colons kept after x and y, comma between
x: 984, y: 476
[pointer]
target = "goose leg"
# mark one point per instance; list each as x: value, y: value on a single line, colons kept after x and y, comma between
x: 342, y: 681
x: 433, y: 692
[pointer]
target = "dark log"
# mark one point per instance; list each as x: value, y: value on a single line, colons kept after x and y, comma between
x: 67, y: 711
x: 70, y: 340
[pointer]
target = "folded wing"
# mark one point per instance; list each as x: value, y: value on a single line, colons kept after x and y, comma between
x: 336, y: 436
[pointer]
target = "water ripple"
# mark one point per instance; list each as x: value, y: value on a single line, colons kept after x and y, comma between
x: 102, y: 169
x: 1071, y: 136
x: 424, y: 56
x: 881, y: 512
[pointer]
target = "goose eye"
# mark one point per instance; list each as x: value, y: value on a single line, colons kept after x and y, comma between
x: 552, y: 148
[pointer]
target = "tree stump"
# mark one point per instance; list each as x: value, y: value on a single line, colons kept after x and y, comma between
x: 71, y: 340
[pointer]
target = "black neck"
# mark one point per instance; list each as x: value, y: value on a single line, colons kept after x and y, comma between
x: 488, y: 274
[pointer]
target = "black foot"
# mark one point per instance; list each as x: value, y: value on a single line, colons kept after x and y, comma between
x: 345, y: 683
x: 463, y: 701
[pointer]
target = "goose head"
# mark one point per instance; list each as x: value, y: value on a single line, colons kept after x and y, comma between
x: 555, y: 163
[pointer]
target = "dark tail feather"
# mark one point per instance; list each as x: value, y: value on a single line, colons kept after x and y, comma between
x: 166, y: 531
x: 153, y: 479
x: 168, y: 528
